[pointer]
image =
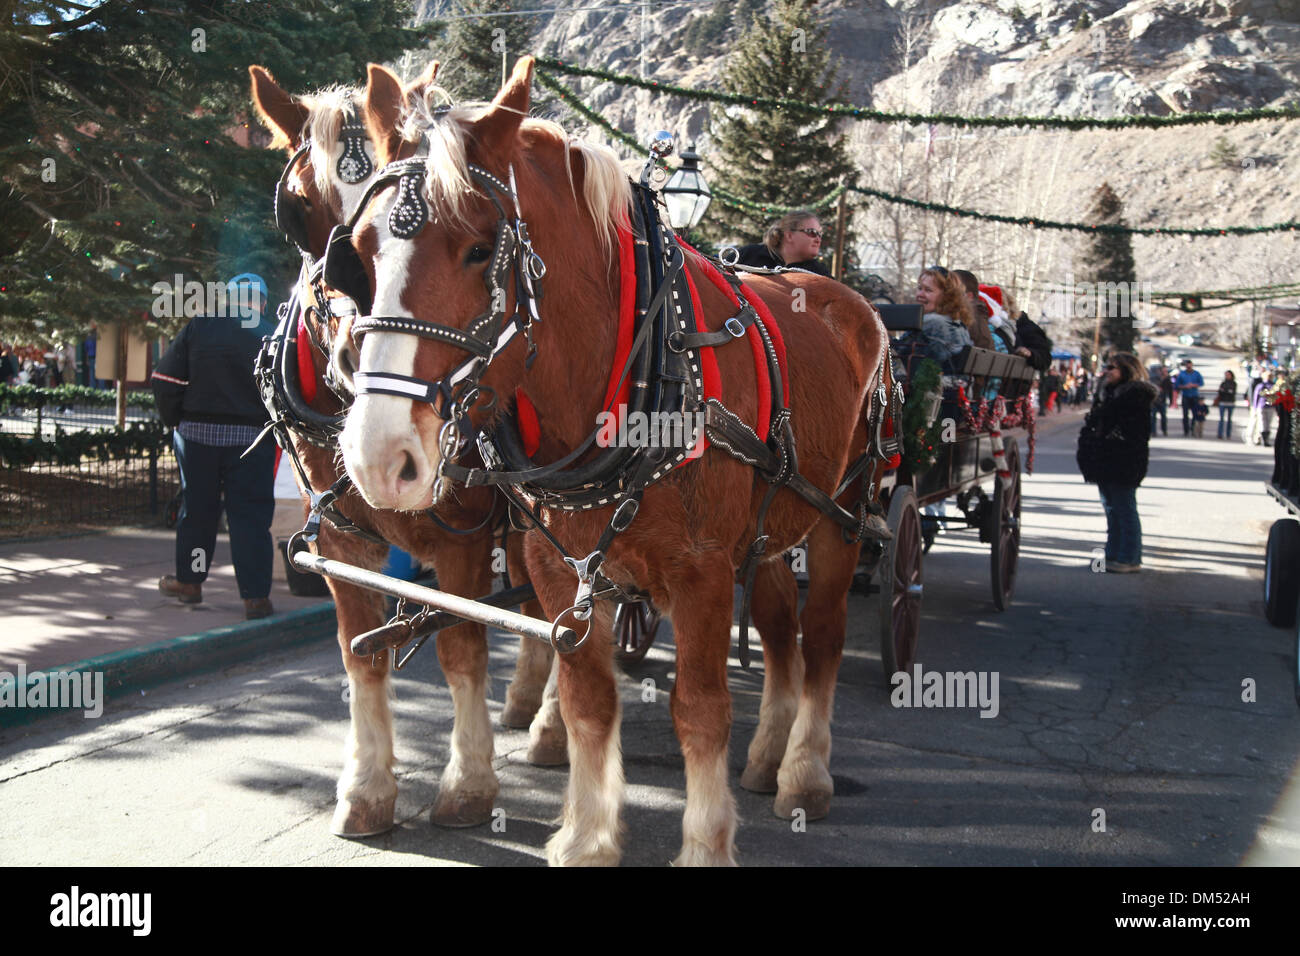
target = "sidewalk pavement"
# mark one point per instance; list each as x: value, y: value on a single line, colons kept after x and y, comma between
x: 71, y: 599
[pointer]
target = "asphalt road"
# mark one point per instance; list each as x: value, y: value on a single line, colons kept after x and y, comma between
x: 1117, y: 693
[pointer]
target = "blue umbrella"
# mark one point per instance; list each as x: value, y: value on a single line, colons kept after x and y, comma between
x: 1062, y: 354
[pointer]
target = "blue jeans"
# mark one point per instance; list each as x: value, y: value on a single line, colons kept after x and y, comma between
x: 1225, y: 410
x: 1159, y: 409
x: 1123, y: 528
x: 209, y: 472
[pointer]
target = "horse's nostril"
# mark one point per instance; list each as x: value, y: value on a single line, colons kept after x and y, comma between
x: 408, y: 472
x: 345, y: 362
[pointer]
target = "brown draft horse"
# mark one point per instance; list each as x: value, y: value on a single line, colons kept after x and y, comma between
x: 367, y: 788
x: 693, y: 527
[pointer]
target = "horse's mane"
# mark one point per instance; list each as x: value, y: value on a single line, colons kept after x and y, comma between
x: 326, y: 109
x: 447, y: 184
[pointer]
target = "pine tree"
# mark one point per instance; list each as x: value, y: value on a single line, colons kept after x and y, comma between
x: 120, y: 170
x: 777, y: 158
x: 479, y: 37
x: 1108, y: 258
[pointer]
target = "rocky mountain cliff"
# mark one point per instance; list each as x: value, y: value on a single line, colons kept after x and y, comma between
x: 1015, y: 57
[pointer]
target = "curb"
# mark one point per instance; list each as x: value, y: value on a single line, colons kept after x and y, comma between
x: 138, y: 668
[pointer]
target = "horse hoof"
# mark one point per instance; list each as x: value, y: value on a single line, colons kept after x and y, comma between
x: 356, y: 820
x: 759, y: 778
x: 814, y: 804
x: 466, y: 810
x: 518, y: 716
x: 549, y: 751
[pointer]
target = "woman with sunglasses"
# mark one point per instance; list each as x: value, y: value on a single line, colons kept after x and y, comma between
x: 793, y: 241
x: 1113, y: 453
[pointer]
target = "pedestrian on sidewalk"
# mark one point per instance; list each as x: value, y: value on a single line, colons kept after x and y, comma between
x: 1113, y: 453
x: 1188, y: 385
x: 1261, y: 413
x: 1225, y: 400
x: 1164, y: 397
x: 206, y: 392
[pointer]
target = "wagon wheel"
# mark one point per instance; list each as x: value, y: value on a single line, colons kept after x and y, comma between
x: 900, y: 585
x: 635, y: 625
x: 1005, y: 551
x: 1282, y: 572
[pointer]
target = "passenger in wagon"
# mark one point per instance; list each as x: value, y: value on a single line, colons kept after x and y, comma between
x: 793, y: 241
x: 946, y: 326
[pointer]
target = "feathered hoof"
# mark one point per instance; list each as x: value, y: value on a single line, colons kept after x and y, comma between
x: 815, y: 804
x: 518, y: 715
x: 462, y: 810
x: 563, y: 850
x: 697, y: 854
x: 549, y: 750
x: 759, y: 778
x: 354, y: 820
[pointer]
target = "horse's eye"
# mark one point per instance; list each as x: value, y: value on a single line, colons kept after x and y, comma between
x: 479, y: 253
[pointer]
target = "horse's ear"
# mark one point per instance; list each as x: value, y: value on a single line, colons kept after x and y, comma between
x: 280, y: 112
x: 383, y: 110
x: 420, y: 85
x: 497, y: 128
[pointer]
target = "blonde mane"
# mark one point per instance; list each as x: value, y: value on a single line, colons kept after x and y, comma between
x: 607, y: 192
x: 326, y: 110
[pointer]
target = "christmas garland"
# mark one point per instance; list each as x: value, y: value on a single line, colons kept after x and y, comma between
x: 845, y: 110
x: 1114, y: 228
x: 726, y: 198
x: 33, y: 396
x: 921, y: 437
x: 136, y: 440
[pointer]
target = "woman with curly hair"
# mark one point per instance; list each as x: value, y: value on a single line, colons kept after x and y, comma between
x: 947, y: 325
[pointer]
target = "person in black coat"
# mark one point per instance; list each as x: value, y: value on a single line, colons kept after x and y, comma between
x: 1032, y: 342
x: 1113, y: 454
x: 205, y: 391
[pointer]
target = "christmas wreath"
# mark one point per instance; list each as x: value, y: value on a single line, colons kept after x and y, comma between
x: 921, y: 431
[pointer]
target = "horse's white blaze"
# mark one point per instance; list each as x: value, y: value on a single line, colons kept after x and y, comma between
x: 380, y: 429
x: 591, y: 834
x: 709, y: 824
x: 368, y: 751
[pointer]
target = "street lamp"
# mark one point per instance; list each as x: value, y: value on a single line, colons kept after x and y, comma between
x: 686, y: 193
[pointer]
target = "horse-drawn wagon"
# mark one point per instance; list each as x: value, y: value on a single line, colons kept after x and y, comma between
x: 454, y: 370
x: 1282, y: 555
x: 961, y: 435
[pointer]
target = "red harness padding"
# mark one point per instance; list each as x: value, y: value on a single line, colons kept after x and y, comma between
x: 762, y: 380
x: 306, y: 368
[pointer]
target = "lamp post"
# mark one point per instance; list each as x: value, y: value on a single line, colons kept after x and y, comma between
x: 686, y: 193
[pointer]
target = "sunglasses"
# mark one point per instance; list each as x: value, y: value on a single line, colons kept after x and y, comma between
x: 939, y: 269
x: 815, y: 233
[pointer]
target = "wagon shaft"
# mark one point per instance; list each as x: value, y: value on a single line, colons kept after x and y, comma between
x: 480, y: 611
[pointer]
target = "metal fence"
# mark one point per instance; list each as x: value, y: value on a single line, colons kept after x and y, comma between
x: 66, y: 467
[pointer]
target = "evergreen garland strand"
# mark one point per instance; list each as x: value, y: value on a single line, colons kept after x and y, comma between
x: 1142, y: 121
x: 136, y: 440
x: 920, y: 437
x: 33, y: 396
x: 825, y: 202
